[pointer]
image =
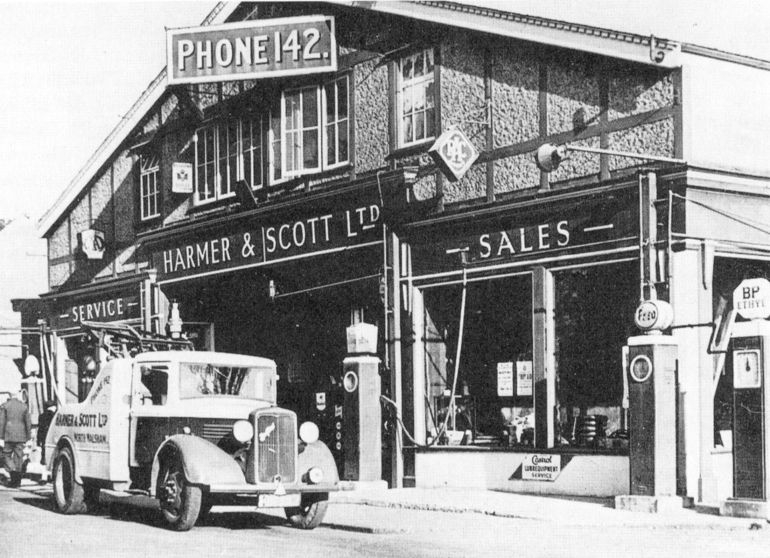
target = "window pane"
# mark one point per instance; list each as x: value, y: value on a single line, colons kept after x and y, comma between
x: 419, y: 65
x: 310, y: 148
x: 292, y: 111
x: 429, y: 61
x: 331, y: 144
x: 407, y: 105
x: 310, y: 108
x: 406, y: 68
x: 407, y: 126
x: 429, y: 95
x: 331, y: 102
x: 342, y: 98
x: 429, y: 130
x: 419, y: 97
x: 343, y: 142
x: 419, y: 125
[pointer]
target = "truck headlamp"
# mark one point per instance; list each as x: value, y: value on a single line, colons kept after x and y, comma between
x: 243, y: 431
x: 308, y: 432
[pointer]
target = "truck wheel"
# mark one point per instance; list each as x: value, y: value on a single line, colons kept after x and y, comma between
x: 311, y: 511
x: 180, y: 502
x: 69, y: 496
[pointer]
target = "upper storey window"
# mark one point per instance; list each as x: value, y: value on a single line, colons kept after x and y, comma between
x: 149, y: 192
x: 216, y: 161
x: 315, y: 128
x: 416, y: 98
x: 304, y: 131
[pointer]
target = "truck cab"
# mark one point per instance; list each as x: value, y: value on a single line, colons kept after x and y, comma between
x: 192, y: 429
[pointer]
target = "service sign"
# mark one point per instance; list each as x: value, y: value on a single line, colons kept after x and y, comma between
x: 102, y: 309
x: 251, y: 50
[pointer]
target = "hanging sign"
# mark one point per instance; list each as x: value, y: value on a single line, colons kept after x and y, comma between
x: 92, y: 244
x: 524, y: 378
x: 541, y: 467
x: 453, y: 153
x: 752, y: 299
x: 182, y: 178
x: 251, y: 50
x: 505, y: 379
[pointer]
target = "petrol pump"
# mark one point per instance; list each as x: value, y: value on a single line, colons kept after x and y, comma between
x: 748, y: 357
x: 361, y: 420
x: 650, y: 368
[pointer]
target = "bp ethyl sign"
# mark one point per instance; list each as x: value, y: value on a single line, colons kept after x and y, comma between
x: 752, y: 299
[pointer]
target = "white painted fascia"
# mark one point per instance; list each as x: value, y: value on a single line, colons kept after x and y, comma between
x: 605, y: 42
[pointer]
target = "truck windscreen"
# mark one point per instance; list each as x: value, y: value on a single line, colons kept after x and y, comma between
x: 207, y: 380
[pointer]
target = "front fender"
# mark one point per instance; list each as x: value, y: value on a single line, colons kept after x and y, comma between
x: 203, y: 462
x: 318, y: 455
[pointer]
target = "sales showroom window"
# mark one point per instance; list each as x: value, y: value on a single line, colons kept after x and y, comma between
x: 594, y: 307
x: 416, y: 98
x: 149, y: 192
x: 494, y: 392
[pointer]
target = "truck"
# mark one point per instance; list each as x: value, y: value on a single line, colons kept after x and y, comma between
x: 193, y: 429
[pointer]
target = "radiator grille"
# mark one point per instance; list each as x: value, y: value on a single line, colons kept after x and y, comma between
x: 276, y: 447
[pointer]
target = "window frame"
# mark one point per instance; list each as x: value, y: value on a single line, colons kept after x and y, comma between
x: 428, y: 110
x: 326, y: 124
x: 149, y: 186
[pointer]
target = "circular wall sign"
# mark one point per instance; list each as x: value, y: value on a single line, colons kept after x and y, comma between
x: 641, y: 368
x: 653, y: 315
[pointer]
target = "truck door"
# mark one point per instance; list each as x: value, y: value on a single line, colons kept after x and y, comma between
x: 149, y: 412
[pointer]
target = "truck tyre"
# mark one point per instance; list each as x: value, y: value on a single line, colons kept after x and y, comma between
x: 180, y: 502
x: 69, y: 496
x: 311, y: 511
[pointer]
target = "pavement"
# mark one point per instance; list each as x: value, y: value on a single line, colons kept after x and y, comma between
x: 370, y: 509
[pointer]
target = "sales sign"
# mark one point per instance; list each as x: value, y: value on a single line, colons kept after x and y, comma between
x: 251, y: 50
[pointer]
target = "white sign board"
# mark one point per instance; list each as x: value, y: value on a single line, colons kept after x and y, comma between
x: 541, y: 467
x: 505, y: 379
x: 182, y: 178
x: 752, y: 299
x: 524, y: 378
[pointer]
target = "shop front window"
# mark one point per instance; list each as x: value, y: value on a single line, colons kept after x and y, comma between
x: 594, y: 317
x: 493, y: 389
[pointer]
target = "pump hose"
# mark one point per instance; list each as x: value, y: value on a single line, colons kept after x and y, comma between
x: 451, y: 408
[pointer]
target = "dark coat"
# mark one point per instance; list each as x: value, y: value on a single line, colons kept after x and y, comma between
x: 15, y: 424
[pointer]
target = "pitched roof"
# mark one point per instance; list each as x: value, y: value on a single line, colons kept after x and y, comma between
x: 615, y: 44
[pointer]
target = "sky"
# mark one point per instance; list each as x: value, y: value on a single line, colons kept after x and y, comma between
x: 71, y: 70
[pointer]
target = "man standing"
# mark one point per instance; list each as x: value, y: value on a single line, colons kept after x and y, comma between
x: 15, y: 431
